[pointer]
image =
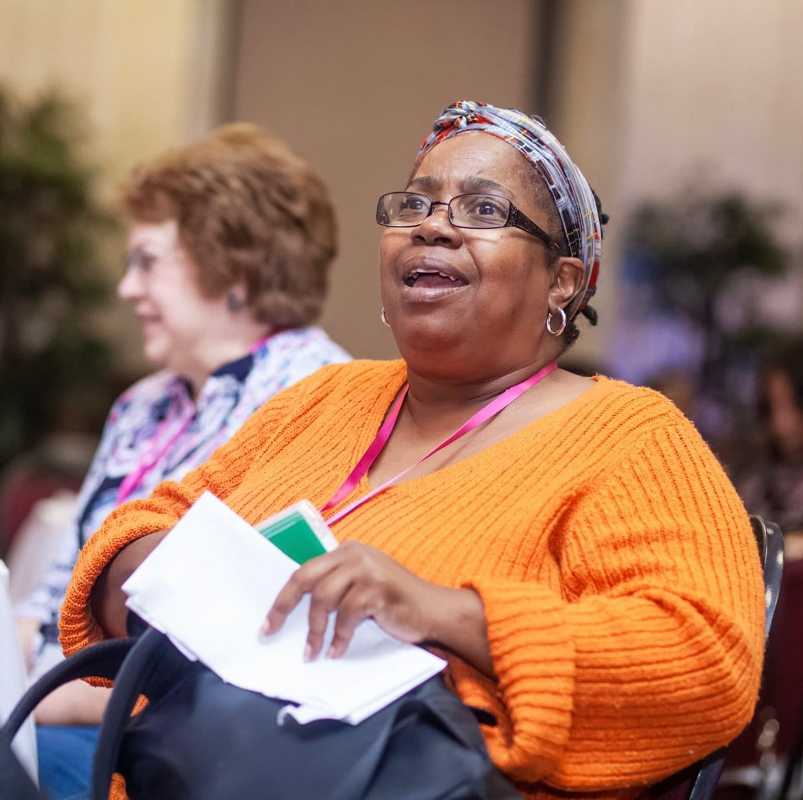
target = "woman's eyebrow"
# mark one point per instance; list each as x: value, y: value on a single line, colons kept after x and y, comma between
x: 474, y: 183
x: 425, y: 183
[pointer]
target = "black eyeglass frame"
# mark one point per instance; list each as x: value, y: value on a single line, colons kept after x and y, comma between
x: 515, y: 217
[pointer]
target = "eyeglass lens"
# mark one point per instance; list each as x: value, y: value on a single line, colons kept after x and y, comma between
x: 465, y: 210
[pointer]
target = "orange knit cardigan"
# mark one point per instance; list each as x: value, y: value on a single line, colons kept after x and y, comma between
x: 619, y: 575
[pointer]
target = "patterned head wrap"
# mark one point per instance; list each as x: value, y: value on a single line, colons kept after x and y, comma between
x: 574, y: 200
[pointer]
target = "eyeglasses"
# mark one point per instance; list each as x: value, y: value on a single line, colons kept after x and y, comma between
x: 408, y: 209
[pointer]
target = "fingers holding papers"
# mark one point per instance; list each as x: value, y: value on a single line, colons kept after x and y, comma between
x: 355, y: 582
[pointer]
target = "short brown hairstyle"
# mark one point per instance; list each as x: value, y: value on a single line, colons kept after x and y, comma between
x: 248, y: 209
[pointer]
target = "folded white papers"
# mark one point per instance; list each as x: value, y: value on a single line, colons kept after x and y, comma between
x: 208, y: 587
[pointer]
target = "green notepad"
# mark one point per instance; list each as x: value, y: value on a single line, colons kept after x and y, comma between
x: 299, y: 532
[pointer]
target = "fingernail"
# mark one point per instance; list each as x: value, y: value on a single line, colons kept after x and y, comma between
x: 308, y: 652
x: 331, y: 652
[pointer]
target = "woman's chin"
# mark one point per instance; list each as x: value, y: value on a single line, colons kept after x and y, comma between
x: 156, y: 354
x: 428, y: 334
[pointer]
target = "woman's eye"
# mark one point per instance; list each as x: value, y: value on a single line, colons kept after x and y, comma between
x: 487, y: 207
x: 413, y: 204
x: 140, y: 261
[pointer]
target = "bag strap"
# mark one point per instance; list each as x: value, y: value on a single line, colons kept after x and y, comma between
x: 125, y: 661
x: 100, y: 660
x: 131, y: 677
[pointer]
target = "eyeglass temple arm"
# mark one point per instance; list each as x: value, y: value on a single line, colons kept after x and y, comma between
x: 520, y: 220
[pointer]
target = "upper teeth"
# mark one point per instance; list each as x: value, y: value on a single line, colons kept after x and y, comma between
x: 417, y: 273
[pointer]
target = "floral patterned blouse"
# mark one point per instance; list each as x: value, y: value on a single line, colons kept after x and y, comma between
x: 156, y: 429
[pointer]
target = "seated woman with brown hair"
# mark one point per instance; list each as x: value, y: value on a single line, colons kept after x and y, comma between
x: 578, y: 550
x: 230, y: 243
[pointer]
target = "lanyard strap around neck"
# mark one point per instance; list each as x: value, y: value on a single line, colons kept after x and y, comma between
x: 155, y: 453
x: 486, y: 413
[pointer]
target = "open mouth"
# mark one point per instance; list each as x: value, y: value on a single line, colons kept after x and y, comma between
x: 148, y: 321
x: 432, y: 279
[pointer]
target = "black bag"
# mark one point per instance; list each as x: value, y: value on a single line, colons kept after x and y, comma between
x: 202, y: 739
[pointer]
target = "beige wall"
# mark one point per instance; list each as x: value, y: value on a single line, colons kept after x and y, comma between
x: 714, y: 93
x: 647, y: 94
x: 354, y: 86
x: 587, y: 77
x: 148, y: 73
x: 138, y: 67
x: 652, y: 95
x: 713, y: 88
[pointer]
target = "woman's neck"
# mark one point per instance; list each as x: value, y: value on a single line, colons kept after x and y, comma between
x: 199, y: 366
x: 436, y: 398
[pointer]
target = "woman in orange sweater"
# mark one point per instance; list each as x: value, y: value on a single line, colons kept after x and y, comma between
x: 580, y: 553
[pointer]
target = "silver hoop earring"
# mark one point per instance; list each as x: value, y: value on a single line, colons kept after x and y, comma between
x: 235, y: 302
x: 563, y: 322
x: 383, y: 317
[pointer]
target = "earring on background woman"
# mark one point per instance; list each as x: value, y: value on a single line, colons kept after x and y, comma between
x: 235, y: 302
x: 383, y: 317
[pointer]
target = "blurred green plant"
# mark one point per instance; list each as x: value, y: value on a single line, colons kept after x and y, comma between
x: 693, y: 252
x: 51, y: 235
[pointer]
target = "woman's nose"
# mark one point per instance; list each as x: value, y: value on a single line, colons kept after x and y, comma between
x: 130, y: 285
x: 437, y: 230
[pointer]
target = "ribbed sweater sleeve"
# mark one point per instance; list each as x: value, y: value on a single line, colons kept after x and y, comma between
x: 651, y: 654
x: 278, y: 420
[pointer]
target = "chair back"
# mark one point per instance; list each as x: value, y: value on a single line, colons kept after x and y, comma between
x: 770, y: 550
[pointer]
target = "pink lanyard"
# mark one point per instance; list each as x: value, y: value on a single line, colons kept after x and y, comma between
x: 486, y: 413
x: 152, y: 457
x: 155, y: 453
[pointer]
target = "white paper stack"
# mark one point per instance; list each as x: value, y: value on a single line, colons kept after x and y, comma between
x: 209, y: 585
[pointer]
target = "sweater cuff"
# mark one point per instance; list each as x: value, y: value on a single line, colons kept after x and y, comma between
x: 77, y: 627
x: 533, y: 657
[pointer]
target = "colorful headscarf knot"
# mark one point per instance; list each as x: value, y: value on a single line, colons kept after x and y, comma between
x: 574, y: 200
